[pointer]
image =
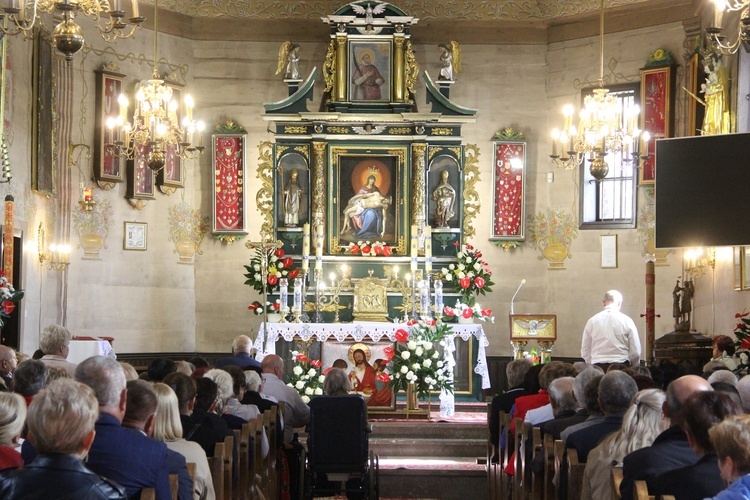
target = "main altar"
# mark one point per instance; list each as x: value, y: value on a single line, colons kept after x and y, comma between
x: 372, y: 198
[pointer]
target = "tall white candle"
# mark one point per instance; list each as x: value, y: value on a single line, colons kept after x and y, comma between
x: 428, y: 249
x: 319, y: 246
x: 414, y: 246
x: 305, y: 247
x: 135, y: 8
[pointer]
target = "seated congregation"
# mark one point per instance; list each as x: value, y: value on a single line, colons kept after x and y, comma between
x: 571, y: 431
x: 178, y: 430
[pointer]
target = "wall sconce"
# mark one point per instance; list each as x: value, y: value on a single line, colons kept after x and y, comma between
x: 698, y: 261
x: 86, y: 192
x: 56, y: 256
x: 741, y: 30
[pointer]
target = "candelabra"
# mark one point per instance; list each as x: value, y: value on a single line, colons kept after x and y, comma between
x: 319, y: 286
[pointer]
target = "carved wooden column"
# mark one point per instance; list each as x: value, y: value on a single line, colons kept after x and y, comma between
x: 398, y: 68
x: 318, y: 186
x: 418, y: 187
x: 341, y: 68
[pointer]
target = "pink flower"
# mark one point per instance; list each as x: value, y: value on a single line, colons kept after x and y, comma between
x: 467, y: 313
x: 448, y: 311
x: 479, y: 282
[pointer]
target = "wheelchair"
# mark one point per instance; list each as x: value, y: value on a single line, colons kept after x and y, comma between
x: 338, y: 458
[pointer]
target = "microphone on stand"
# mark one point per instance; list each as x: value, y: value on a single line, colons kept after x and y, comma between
x: 514, y: 295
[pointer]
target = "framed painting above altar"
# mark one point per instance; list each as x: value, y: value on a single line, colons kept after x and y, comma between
x: 364, y: 363
x: 370, y: 70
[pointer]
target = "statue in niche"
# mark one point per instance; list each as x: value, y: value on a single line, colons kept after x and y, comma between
x: 289, y: 56
x: 292, y: 199
x: 450, y: 60
x: 716, y: 90
x: 445, y: 197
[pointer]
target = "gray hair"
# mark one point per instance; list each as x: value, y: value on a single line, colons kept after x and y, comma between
x: 223, y: 380
x: 105, y: 376
x: 12, y: 417
x: 242, y: 344
x: 516, y: 371
x: 579, y: 386
x: 54, y: 338
x: 30, y: 377
x: 335, y: 381
x: 561, y: 394
x: 129, y: 371
x: 641, y: 424
x: 184, y: 367
x: 743, y: 387
x: 726, y: 376
x: 613, y: 297
x: 61, y: 416
x: 253, y: 380
x: 616, y: 390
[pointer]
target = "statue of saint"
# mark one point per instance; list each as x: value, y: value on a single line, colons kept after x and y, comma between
x: 676, y: 294
x: 450, y: 60
x: 688, y: 290
x: 289, y: 56
x: 445, y: 198
x: 292, y: 199
x: 716, y: 90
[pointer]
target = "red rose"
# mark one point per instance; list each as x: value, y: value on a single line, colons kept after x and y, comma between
x: 402, y: 335
x: 276, y: 306
x: 486, y: 312
x: 467, y: 313
x: 456, y: 244
x: 301, y: 358
x: 479, y: 282
x: 478, y: 255
x: 8, y: 306
x: 354, y: 249
x: 745, y: 344
x: 387, y: 251
x: 383, y: 377
x: 739, y: 326
x: 465, y: 282
x: 411, y: 322
x: 273, y: 279
x: 389, y: 353
x: 469, y: 247
x: 279, y: 253
x: 448, y: 311
x: 288, y: 262
x: 293, y: 273
x: 315, y: 363
x: 366, y: 248
x: 378, y: 250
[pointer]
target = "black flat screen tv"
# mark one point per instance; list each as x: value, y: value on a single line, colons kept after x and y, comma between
x: 703, y: 191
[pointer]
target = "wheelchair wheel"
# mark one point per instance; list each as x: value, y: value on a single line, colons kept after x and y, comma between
x: 374, y: 477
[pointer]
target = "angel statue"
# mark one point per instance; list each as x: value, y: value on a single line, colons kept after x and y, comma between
x: 289, y: 55
x: 450, y: 60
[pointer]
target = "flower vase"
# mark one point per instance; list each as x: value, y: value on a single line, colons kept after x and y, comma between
x: 555, y: 253
x: 91, y: 244
x: 465, y: 321
x: 273, y: 317
x: 412, y: 403
x: 186, y: 249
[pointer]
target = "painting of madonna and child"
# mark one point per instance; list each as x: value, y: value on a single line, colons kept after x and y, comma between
x: 369, y: 194
x: 365, y: 364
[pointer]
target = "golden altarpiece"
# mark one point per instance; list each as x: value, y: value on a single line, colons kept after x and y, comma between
x: 382, y: 191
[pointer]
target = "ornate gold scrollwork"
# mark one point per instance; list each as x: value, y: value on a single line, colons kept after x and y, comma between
x: 338, y: 130
x: 329, y: 67
x: 280, y: 150
x: 264, y: 198
x: 472, y: 204
x: 319, y: 183
x: 399, y: 130
x: 418, y: 184
x: 441, y: 131
x: 412, y: 71
x: 304, y: 151
x: 294, y: 129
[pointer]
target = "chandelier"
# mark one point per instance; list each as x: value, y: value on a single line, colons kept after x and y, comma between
x: 155, y: 127
x: 715, y: 33
x: 20, y: 17
x: 605, y: 126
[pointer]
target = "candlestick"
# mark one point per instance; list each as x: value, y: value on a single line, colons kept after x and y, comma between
x: 283, y: 298
x: 424, y: 298
x: 319, y: 247
x: 297, y: 299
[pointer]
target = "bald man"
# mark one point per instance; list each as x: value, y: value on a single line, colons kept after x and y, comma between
x: 671, y: 449
x: 242, y: 346
x: 296, y: 412
x: 611, y: 336
x: 8, y: 362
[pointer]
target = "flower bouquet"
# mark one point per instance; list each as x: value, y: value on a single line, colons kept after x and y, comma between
x: 306, y: 377
x: 417, y: 359
x: 279, y: 266
x: 271, y: 307
x: 461, y: 310
x: 9, y: 297
x: 742, y: 332
x: 375, y: 249
x: 470, y: 276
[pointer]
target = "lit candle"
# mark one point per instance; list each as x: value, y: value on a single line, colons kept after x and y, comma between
x: 305, y: 247
x: 414, y: 246
x: 427, y: 249
x: 88, y: 194
x: 555, y: 138
x: 395, y: 272
x: 332, y: 277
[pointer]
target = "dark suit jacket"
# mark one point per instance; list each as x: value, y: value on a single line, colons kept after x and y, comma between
x: 670, y: 451
x: 698, y: 481
x: 177, y: 464
x: 587, y: 439
x: 132, y: 459
x: 243, y: 360
x: 557, y: 425
x: 503, y: 402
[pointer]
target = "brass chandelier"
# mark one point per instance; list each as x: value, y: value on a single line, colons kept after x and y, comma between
x: 716, y: 36
x: 21, y: 16
x: 155, y: 126
x: 605, y: 126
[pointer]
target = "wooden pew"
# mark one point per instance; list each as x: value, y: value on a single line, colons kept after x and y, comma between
x: 575, y: 475
x: 537, y: 448
x: 148, y: 494
x: 559, y: 451
x: 505, y: 453
x: 521, y: 488
x: 640, y: 491
x: 549, y: 467
x: 174, y: 485
x: 616, y: 481
x: 228, y: 466
x: 493, y: 476
x: 216, y: 465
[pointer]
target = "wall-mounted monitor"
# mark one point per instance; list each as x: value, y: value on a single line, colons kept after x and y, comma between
x: 703, y: 191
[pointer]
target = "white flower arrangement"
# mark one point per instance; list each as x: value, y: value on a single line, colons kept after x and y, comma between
x: 466, y: 311
x: 306, y: 377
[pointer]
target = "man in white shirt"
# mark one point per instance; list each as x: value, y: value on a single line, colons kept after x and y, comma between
x: 611, y: 336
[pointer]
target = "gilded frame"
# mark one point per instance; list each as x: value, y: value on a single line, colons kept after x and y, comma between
x: 44, y: 117
x: 135, y: 236
x: 533, y: 327
x: 657, y: 103
x: 108, y: 168
x: 141, y: 179
x: 228, y: 205
x: 172, y: 176
x: 349, y: 175
x: 741, y: 261
x: 509, y: 190
x: 381, y: 58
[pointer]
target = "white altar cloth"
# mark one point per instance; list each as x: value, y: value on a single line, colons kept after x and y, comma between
x: 266, y: 344
x: 80, y: 350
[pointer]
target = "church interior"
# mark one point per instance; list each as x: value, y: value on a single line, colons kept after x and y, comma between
x: 351, y: 156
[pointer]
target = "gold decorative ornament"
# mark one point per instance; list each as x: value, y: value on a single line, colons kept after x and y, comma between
x: 432, y: 151
x: 293, y: 129
x: 341, y: 67
x: 338, y: 130
x: 371, y: 299
x: 398, y: 68
x: 264, y: 198
x: 412, y: 71
x: 280, y: 150
x: 329, y: 67
x: 304, y: 151
x: 456, y: 151
x: 441, y: 131
x: 472, y: 203
x: 399, y: 130
x: 418, y: 184
x: 319, y: 183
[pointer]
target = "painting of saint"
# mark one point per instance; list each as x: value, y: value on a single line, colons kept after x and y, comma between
x: 370, y: 71
x: 368, y: 214
x: 367, y: 367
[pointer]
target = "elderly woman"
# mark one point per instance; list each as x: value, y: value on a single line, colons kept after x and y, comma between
x: 641, y: 424
x: 337, y: 383
x: 731, y: 439
x: 29, y: 378
x: 54, y: 342
x: 61, y: 427
x: 12, y: 419
x: 168, y: 429
x: 723, y: 351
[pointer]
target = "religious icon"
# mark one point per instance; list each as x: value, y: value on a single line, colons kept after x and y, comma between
x: 289, y: 56
x: 370, y: 71
x: 292, y: 197
x: 450, y: 60
x: 368, y: 213
x: 445, y: 197
x: 366, y: 364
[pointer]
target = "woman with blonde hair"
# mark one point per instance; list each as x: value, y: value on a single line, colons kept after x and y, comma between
x: 12, y: 420
x: 168, y: 429
x: 731, y: 439
x: 641, y: 424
